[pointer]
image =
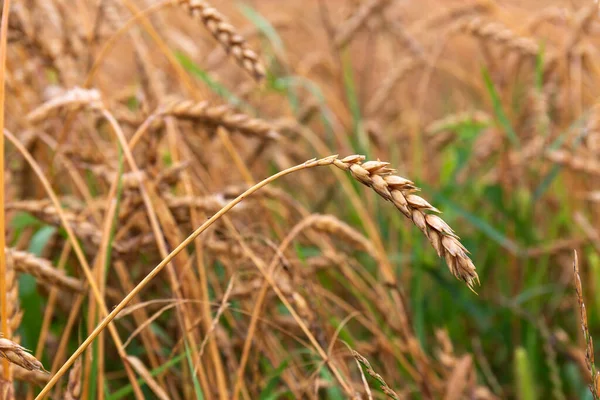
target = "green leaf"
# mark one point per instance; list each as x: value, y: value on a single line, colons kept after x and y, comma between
x: 197, y: 388
x: 189, y: 65
x: 499, y: 110
x: 40, y: 239
x: 269, y: 392
x: 524, y: 376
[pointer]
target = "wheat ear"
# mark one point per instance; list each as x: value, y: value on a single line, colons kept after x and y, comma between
x: 227, y: 35
x: 496, y: 32
x: 589, y: 348
x: 43, y: 270
x: 19, y: 355
x: 219, y: 115
x: 401, y: 192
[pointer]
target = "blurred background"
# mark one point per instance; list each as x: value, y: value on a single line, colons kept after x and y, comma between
x: 490, y: 107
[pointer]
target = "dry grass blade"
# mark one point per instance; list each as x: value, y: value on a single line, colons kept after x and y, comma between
x: 589, y: 349
x: 19, y: 355
x: 401, y: 192
x: 227, y: 35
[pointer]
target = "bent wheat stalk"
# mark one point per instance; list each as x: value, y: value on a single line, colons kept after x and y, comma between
x: 375, y: 174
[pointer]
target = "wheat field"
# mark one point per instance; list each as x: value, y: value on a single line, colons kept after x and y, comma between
x: 322, y: 199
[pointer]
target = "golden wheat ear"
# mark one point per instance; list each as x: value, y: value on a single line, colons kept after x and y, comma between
x: 402, y: 193
x: 226, y: 34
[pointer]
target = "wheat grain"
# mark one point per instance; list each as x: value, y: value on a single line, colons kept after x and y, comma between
x: 226, y: 35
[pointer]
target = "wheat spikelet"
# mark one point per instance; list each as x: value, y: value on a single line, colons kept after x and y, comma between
x: 72, y: 100
x: 74, y: 384
x: 497, y: 33
x: 357, y: 20
x: 19, y: 355
x: 220, y: 115
x: 401, y: 192
x: 43, y: 270
x: 227, y: 35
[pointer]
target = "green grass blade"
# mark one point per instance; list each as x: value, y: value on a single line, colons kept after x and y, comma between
x: 499, y: 110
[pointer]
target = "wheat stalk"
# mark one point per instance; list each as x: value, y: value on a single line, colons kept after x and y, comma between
x: 226, y: 35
